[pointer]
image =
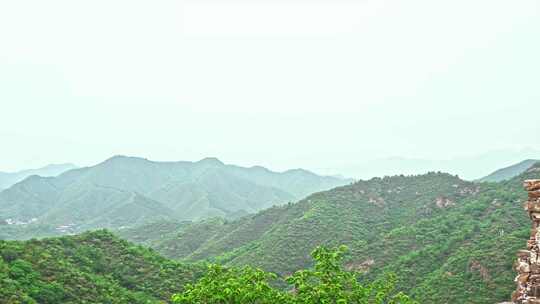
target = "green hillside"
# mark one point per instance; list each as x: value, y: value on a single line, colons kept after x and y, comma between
x: 94, y: 267
x: 509, y: 172
x: 129, y: 191
x: 97, y: 267
x: 448, y: 240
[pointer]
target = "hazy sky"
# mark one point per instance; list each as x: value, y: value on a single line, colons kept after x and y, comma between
x: 296, y: 83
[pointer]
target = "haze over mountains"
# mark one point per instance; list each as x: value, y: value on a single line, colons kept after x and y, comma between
x: 440, y: 234
x: 413, y: 124
x: 471, y: 168
x: 126, y: 191
x: 509, y: 172
x: 7, y: 179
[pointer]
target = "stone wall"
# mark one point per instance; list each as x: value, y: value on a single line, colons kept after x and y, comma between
x: 528, y: 262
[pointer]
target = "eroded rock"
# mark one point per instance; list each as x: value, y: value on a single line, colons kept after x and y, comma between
x: 528, y: 261
x: 444, y: 202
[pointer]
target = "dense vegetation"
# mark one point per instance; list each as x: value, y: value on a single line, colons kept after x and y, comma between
x: 97, y: 267
x: 94, y: 267
x: 441, y: 236
x: 445, y: 239
x: 128, y: 191
x: 326, y: 282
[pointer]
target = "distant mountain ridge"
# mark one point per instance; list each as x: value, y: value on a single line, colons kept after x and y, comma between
x: 467, y: 167
x: 509, y: 172
x: 8, y: 179
x: 126, y: 191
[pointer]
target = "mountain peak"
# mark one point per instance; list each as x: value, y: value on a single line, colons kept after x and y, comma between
x: 123, y: 158
x: 211, y: 161
x: 299, y: 171
x: 260, y: 168
x: 117, y: 157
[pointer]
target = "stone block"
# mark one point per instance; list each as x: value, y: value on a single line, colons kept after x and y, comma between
x: 533, y: 206
x: 523, y: 254
x: 534, y: 194
x: 532, y: 184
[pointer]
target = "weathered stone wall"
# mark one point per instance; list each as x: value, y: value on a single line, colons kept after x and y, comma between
x: 528, y: 262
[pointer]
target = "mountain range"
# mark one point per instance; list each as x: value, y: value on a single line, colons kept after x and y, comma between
x: 8, y: 179
x: 448, y: 240
x: 125, y: 191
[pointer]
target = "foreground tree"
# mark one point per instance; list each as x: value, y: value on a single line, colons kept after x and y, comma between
x: 326, y: 282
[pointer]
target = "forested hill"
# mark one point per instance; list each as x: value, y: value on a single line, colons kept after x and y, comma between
x: 279, y: 239
x: 94, y: 267
x: 509, y: 172
x: 449, y: 241
x: 125, y: 191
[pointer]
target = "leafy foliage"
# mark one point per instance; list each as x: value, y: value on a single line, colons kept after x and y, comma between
x: 327, y: 282
x: 97, y: 267
x: 94, y: 267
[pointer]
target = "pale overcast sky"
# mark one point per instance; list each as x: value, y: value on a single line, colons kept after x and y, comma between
x: 284, y: 84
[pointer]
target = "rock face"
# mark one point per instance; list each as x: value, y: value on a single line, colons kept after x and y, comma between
x: 444, y: 202
x: 528, y: 262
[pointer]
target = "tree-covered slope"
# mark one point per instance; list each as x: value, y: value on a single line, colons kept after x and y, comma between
x: 358, y: 212
x: 462, y: 256
x: 129, y: 191
x: 94, y: 267
x: 509, y: 172
x: 448, y: 240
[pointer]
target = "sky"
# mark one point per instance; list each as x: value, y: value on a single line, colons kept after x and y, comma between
x: 317, y: 84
